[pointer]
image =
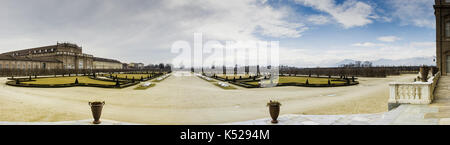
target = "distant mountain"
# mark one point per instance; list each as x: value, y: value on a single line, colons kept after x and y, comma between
x: 390, y: 62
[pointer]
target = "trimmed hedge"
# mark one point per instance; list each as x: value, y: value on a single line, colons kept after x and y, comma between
x: 155, y: 75
x: 123, y: 84
x: 244, y: 84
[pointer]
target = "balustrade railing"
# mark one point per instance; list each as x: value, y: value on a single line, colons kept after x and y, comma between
x: 414, y: 92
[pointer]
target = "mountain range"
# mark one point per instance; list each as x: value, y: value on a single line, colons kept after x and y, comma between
x: 415, y: 61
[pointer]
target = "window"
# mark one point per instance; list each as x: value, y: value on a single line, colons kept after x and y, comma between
x: 80, y: 65
x: 447, y: 29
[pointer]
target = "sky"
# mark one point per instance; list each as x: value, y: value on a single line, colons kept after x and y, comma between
x: 310, y: 32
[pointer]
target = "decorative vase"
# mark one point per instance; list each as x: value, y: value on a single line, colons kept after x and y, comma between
x: 424, y: 73
x: 274, y: 112
x: 434, y: 71
x: 96, y: 108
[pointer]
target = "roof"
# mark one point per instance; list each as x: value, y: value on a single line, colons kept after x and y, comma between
x: 105, y: 59
x: 39, y: 59
x: 30, y: 50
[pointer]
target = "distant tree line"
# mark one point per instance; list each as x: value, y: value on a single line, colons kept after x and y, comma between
x: 69, y: 72
x: 364, y: 69
x: 350, y: 71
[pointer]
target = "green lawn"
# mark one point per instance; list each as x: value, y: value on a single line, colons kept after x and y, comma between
x: 231, y: 76
x: 68, y: 80
x: 311, y: 80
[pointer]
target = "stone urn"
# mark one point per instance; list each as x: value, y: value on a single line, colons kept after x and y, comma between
x: 96, y: 108
x: 274, y: 109
x: 434, y: 71
x: 424, y: 70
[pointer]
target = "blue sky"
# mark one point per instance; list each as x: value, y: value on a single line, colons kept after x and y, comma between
x: 391, y: 20
x: 311, y: 32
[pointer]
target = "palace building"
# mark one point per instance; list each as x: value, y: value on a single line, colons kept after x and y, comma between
x: 442, y: 12
x: 59, y: 56
x: 104, y: 63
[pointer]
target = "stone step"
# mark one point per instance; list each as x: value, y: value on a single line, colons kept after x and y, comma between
x: 442, y: 92
x: 444, y: 121
x: 444, y: 97
x: 440, y: 104
x: 443, y: 86
x: 437, y: 115
x: 444, y: 109
x: 442, y: 100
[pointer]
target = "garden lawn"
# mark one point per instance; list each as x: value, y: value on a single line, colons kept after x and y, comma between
x: 231, y: 76
x: 68, y: 80
x: 311, y: 80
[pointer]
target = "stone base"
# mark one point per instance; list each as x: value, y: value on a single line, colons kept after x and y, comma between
x: 392, y: 106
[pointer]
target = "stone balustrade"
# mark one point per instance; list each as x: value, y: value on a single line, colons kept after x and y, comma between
x: 414, y: 92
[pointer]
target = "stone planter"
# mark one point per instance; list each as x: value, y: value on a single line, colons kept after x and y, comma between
x: 424, y: 73
x: 274, y: 110
x: 96, y: 108
x: 434, y: 70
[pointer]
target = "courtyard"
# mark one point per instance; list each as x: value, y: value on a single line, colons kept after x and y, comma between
x: 67, y: 80
x: 185, y: 99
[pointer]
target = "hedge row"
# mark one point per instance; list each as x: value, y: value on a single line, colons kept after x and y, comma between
x: 40, y: 72
x: 17, y: 82
x: 318, y: 85
x: 244, y: 82
x: 155, y: 75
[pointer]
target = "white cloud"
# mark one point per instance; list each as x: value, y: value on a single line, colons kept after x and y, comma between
x: 318, y: 19
x: 367, y: 44
x: 389, y: 38
x: 414, y: 12
x: 138, y: 30
x: 350, y: 13
x: 313, y: 57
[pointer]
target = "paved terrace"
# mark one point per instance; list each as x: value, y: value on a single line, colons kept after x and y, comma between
x: 403, y: 115
x: 438, y: 113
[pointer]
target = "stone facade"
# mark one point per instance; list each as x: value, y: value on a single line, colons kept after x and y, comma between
x: 103, y: 63
x: 442, y: 12
x: 9, y: 62
x: 135, y: 65
x: 61, y: 55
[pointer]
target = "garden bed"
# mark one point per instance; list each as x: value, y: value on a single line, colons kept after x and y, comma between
x: 59, y: 82
x: 135, y: 77
x: 250, y: 82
